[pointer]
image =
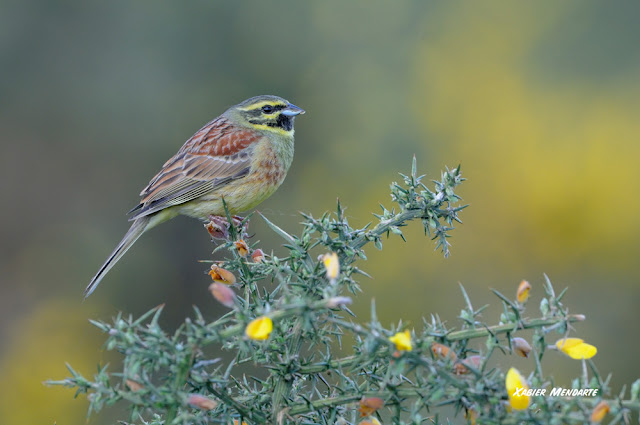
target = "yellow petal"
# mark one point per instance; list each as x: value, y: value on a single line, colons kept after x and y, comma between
x: 514, y: 381
x: 402, y: 340
x: 332, y: 264
x: 260, y: 328
x: 581, y: 351
x: 576, y: 348
x: 565, y: 343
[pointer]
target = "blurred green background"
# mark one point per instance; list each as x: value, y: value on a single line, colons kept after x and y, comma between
x: 536, y: 101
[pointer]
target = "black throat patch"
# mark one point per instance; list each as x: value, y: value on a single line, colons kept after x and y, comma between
x: 282, y: 121
x: 285, y: 122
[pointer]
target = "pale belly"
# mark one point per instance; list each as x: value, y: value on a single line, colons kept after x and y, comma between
x: 239, y: 196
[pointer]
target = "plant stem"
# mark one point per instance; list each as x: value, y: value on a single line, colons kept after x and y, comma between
x: 384, y: 226
x: 284, y: 312
x: 346, y: 399
x: 452, y: 336
x: 510, y: 327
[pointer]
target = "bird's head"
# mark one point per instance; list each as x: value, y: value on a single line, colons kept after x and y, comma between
x: 266, y: 113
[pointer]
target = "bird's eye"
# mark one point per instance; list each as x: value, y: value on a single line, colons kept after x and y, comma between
x: 267, y: 109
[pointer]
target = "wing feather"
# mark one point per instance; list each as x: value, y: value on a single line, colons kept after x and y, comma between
x: 217, y: 154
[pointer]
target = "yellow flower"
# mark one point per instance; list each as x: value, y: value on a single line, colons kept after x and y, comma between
x: 332, y: 264
x: 523, y: 292
x: 259, y: 329
x: 402, y: 340
x: 599, y: 412
x: 576, y: 348
x: 516, y: 386
x: 370, y: 421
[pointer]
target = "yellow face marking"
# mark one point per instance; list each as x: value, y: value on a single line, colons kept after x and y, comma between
x: 259, y: 105
x: 278, y: 130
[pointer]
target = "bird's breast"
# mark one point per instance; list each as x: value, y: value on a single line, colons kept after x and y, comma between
x: 268, y: 167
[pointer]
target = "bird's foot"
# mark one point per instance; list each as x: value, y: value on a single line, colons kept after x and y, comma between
x: 220, y: 228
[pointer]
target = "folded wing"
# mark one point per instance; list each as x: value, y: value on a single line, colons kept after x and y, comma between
x: 217, y: 154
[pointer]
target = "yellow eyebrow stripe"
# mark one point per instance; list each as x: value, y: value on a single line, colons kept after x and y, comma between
x: 259, y: 105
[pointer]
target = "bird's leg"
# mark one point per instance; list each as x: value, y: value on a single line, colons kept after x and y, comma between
x: 218, y: 227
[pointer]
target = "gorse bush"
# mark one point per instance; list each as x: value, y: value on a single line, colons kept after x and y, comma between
x: 288, y: 317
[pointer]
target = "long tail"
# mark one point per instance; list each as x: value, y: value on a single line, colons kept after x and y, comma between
x: 135, y: 231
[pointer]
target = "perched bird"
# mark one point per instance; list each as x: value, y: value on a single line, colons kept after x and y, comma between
x: 241, y: 156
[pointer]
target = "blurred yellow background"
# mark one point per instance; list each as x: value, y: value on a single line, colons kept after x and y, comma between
x: 538, y: 102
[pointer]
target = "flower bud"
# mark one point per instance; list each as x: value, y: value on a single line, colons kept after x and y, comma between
x: 523, y: 292
x: 443, y: 352
x: 242, y: 248
x: 218, y: 274
x: 223, y: 294
x: 202, y: 402
x: 216, y: 230
x: 599, y: 412
x: 520, y: 346
x: 133, y: 385
x: 460, y: 368
x: 332, y: 265
x: 257, y: 256
x: 368, y: 405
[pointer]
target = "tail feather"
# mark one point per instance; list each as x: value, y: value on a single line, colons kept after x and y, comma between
x: 135, y: 231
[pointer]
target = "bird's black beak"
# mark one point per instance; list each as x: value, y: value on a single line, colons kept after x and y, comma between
x: 292, y: 110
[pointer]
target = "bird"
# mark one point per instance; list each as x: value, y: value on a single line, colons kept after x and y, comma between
x: 239, y: 159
